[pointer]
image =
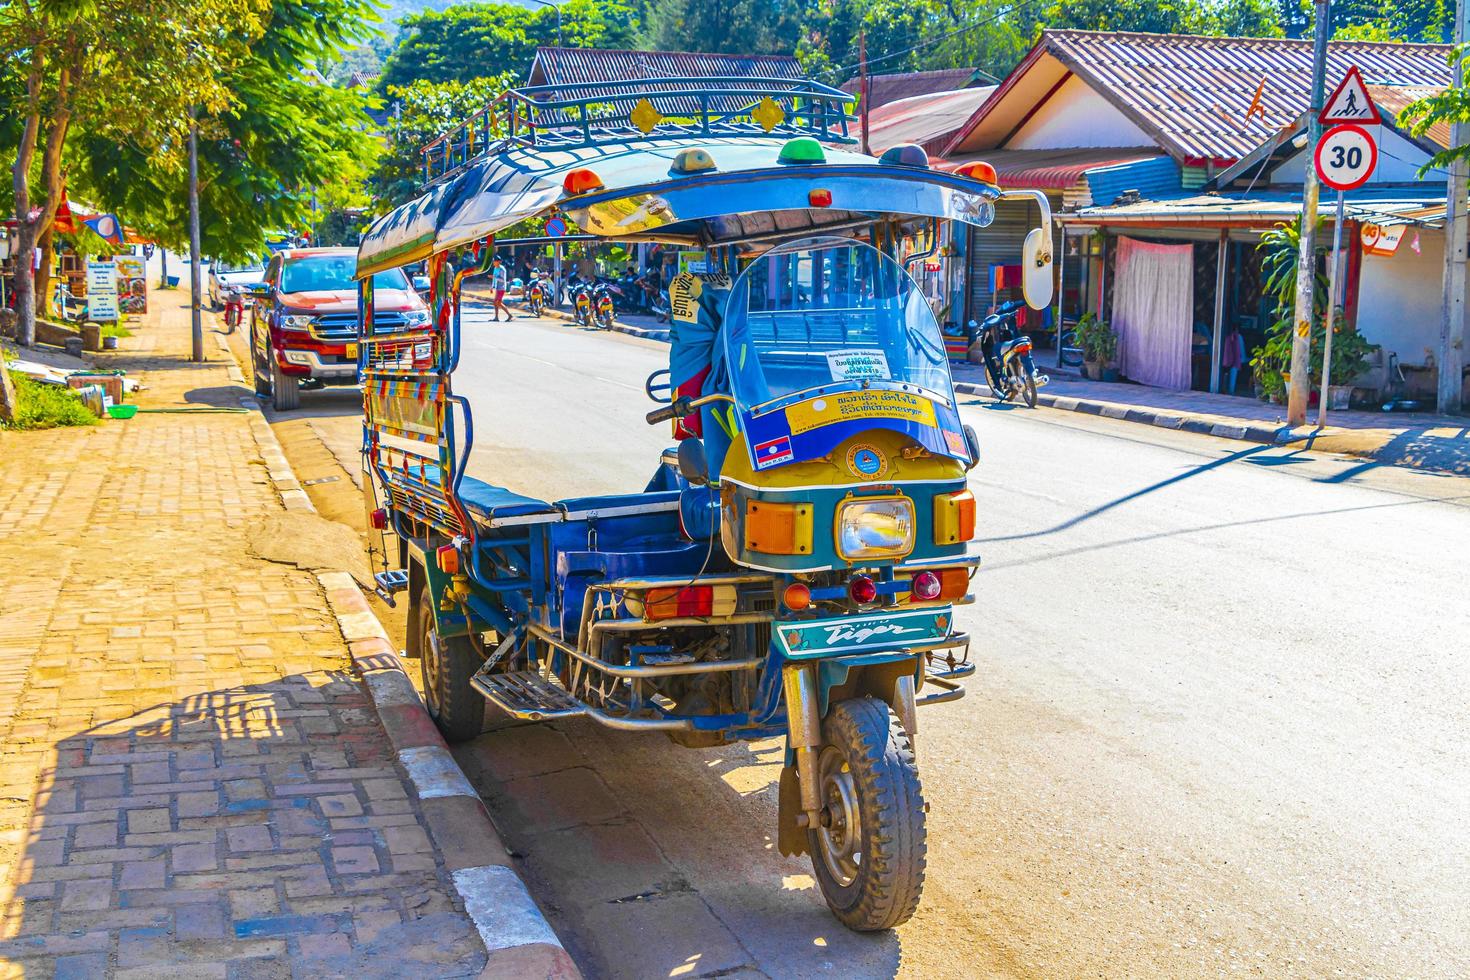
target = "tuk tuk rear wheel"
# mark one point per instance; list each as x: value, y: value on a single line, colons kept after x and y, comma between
x: 447, y: 664
x: 868, y: 853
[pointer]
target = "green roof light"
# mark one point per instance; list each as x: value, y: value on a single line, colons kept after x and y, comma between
x: 802, y: 149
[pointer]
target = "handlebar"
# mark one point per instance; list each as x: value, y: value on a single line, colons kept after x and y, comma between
x: 684, y: 406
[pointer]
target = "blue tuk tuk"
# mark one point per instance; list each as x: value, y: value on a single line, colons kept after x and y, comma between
x: 792, y: 567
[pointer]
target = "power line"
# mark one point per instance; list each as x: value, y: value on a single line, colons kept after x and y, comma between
x: 1013, y: 8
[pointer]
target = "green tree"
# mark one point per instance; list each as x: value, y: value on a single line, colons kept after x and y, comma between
x: 487, y: 40
x: 1449, y: 107
x: 111, y: 68
x: 285, y: 138
x: 730, y: 26
x: 417, y: 114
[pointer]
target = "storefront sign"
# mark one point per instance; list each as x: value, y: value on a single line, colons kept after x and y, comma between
x: 132, y: 283
x: 101, y: 292
x: 1380, y: 240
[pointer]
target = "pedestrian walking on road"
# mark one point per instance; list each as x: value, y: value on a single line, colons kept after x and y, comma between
x: 499, y: 280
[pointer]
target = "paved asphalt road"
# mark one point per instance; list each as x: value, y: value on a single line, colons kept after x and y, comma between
x: 1219, y: 725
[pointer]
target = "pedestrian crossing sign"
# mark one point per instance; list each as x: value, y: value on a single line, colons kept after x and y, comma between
x: 1350, y: 103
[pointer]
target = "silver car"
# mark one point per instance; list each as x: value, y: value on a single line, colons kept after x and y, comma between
x: 223, y: 275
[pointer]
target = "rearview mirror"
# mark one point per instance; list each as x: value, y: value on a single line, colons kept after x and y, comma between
x: 972, y: 443
x: 693, y: 464
x: 1036, y: 269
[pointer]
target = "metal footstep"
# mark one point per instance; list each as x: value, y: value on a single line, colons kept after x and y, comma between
x: 527, y: 695
x: 390, y: 583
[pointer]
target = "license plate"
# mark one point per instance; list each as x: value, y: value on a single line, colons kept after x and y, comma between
x: 351, y: 351
x: 863, y: 634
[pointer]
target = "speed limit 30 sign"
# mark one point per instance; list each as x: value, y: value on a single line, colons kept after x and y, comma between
x: 1346, y: 156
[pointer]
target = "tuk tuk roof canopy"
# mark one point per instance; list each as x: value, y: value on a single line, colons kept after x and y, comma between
x: 671, y: 185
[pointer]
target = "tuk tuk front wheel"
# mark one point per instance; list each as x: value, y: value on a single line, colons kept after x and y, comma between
x: 868, y: 852
x: 447, y: 663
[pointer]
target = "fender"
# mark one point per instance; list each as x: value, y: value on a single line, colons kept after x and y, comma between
x: 889, y: 677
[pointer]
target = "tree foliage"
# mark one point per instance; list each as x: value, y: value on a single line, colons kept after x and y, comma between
x: 1449, y: 107
x: 285, y: 137
x: 419, y: 112
x: 486, y: 40
x: 111, y: 67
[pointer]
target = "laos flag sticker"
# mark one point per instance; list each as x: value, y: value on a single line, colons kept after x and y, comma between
x: 773, y: 452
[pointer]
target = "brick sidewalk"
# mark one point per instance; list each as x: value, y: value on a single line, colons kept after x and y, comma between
x: 194, y: 783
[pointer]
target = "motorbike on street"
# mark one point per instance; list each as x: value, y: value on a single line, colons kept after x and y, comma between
x: 1007, y: 355
x: 581, y: 291
x: 792, y: 566
x: 603, y: 293
x: 535, y: 295
x: 660, y: 306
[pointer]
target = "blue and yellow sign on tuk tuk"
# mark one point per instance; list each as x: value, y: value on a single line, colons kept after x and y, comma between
x: 793, y: 564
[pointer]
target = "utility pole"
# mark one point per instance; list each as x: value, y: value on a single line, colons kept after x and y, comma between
x: 1306, y: 265
x: 1456, y: 228
x: 863, y: 84
x: 194, y: 283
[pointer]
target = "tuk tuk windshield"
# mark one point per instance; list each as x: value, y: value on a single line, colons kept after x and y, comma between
x: 830, y: 312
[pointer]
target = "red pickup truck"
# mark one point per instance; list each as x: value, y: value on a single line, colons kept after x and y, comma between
x: 304, y: 323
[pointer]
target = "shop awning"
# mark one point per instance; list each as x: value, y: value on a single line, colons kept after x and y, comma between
x: 1050, y: 170
x: 1262, y: 210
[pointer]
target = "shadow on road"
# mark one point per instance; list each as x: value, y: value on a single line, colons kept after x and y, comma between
x: 626, y: 836
x: 1127, y: 498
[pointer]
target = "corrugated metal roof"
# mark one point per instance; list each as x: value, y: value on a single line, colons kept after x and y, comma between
x: 928, y: 120
x: 1260, y: 210
x: 1050, y: 170
x: 1193, y: 92
x: 886, y: 89
x: 560, y: 66
x: 1394, y: 99
x: 645, y: 72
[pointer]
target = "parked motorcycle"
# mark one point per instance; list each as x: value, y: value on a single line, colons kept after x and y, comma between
x: 535, y: 295
x: 660, y: 306
x: 581, y: 291
x: 237, y: 301
x: 1008, y: 361
x: 603, y: 293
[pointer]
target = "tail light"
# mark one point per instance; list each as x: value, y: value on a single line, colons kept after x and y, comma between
x: 862, y: 590
x: 379, y: 519
x: 692, y: 600
x: 819, y: 198
x: 925, y: 586
x: 1023, y: 348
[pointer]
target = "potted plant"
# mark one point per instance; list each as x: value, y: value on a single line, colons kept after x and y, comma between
x: 1272, y: 360
x: 1099, y: 346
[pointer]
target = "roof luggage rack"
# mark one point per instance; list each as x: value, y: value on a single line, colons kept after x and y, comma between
x: 587, y: 114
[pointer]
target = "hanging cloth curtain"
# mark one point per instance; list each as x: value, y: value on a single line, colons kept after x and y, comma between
x: 1153, y: 312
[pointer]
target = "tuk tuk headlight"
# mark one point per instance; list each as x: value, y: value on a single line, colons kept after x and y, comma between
x: 880, y: 527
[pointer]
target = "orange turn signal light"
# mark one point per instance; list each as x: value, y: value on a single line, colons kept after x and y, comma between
x: 980, y: 171
x: 953, y: 583
x: 954, y: 517
x: 797, y: 596
x: 447, y: 558
x: 582, y: 181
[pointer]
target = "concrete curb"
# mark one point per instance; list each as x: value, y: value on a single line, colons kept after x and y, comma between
x: 519, y: 942
x: 661, y: 335
x: 1245, y: 431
